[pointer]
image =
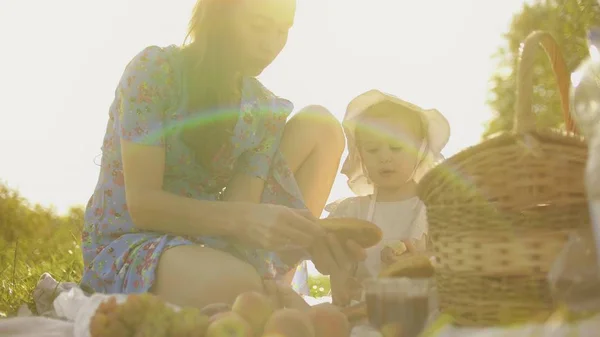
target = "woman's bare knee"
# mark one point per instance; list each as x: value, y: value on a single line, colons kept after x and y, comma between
x: 312, y: 144
x: 313, y: 128
x: 197, y: 276
x: 321, y: 123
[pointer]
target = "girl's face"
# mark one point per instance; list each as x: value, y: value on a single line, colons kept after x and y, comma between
x: 261, y: 29
x: 388, y: 146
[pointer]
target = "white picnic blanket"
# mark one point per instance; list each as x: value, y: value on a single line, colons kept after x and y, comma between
x: 35, y: 327
x: 71, y: 311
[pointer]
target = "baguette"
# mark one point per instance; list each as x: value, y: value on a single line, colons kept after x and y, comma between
x: 363, y: 232
x: 411, y: 266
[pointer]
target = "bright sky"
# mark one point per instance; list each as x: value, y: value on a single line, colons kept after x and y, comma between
x: 62, y: 60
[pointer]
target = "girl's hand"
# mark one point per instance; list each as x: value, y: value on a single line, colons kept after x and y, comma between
x: 276, y: 228
x: 388, y: 256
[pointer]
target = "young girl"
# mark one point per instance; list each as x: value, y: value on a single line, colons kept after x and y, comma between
x: 391, y: 145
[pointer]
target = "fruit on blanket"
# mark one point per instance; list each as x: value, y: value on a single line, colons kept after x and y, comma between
x: 215, y: 308
x: 153, y: 325
x: 228, y: 324
x: 145, y: 315
x: 188, y: 322
x: 105, y: 321
x: 329, y: 321
x: 255, y: 308
x: 140, y: 307
x: 289, y: 323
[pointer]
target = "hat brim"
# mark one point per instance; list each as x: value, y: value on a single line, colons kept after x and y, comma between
x: 437, y: 126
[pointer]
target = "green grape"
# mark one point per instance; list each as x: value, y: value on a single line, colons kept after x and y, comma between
x: 189, y: 322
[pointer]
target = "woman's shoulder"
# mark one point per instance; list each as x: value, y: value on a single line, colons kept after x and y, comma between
x: 153, y: 71
x: 259, y: 90
x: 154, y: 58
x: 158, y: 52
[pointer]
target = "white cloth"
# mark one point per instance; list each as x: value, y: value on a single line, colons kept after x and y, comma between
x: 35, y: 327
x: 300, y: 280
x: 76, y: 308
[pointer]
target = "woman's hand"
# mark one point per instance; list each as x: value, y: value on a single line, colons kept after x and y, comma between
x: 340, y: 262
x: 276, y: 228
x: 345, y: 288
x: 330, y: 256
x: 283, y: 296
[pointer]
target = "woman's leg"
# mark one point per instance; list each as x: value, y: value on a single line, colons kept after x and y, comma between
x: 196, y: 276
x: 312, y: 145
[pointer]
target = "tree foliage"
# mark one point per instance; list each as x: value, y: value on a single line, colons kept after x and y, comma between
x: 568, y: 22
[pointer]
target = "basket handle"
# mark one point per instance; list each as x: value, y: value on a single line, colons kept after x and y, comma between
x: 524, y: 117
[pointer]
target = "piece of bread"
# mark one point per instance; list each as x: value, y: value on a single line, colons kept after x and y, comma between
x: 411, y: 266
x: 363, y: 232
x: 398, y: 248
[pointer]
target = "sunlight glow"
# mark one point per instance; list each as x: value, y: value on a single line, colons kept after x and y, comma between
x: 57, y: 91
x: 594, y: 53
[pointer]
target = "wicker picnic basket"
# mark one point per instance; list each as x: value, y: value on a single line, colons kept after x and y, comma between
x: 500, y: 211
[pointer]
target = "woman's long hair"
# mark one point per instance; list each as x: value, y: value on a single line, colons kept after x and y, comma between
x: 211, y: 69
x: 214, y: 55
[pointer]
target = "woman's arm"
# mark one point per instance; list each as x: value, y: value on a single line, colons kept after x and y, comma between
x: 147, y: 89
x: 244, y: 187
x: 254, y: 165
x: 265, y: 226
x: 153, y: 209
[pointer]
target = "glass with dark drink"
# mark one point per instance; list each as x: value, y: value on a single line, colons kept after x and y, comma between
x: 398, y: 307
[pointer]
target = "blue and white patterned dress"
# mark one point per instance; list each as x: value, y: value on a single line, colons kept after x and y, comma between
x: 150, y: 108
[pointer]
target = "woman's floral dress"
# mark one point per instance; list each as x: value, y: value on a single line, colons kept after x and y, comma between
x: 149, y: 109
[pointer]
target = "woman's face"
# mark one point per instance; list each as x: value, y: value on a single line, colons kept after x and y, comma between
x: 388, y: 148
x: 261, y: 29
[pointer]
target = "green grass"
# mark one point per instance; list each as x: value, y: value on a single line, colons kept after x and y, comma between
x: 319, y: 285
x: 35, y: 240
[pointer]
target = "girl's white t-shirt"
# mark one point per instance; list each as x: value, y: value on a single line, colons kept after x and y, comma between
x: 398, y: 220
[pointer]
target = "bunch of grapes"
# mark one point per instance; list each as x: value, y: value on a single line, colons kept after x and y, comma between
x: 145, y: 315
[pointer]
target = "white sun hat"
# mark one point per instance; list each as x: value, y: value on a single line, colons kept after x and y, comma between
x: 436, y: 127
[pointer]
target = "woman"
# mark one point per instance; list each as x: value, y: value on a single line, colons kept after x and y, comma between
x: 190, y: 128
